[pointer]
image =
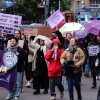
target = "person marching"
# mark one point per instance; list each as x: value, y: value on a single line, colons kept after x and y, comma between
x: 55, y: 68
x: 40, y: 46
x: 72, y: 60
x: 24, y: 45
x: 21, y: 54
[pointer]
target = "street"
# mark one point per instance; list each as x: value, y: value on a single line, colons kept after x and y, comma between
x: 87, y: 92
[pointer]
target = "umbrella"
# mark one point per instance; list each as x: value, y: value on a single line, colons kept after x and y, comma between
x: 58, y: 26
x: 71, y: 27
x: 93, y: 27
x: 80, y: 33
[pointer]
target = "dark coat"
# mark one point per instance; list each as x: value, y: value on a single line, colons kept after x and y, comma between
x: 40, y: 79
x: 22, y: 57
x: 1, y: 43
x: 63, y: 40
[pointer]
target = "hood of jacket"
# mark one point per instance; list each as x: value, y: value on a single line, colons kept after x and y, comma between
x: 56, y: 41
x: 46, y: 40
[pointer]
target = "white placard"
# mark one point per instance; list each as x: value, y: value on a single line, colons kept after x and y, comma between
x: 55, y: 19
x: 9, y: 23
x: 93, y: 50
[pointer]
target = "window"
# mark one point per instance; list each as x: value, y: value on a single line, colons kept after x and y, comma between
x: 94, y: 3
x: 80, y: 4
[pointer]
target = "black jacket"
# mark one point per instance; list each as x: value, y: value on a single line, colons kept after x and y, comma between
x: 63, y: 40
x: 22, y: 57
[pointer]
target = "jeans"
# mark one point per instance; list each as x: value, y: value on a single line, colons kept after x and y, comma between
x: 87, y: 67
x: 55, y: 81
x: 74, y: 80
x: 17, y: 90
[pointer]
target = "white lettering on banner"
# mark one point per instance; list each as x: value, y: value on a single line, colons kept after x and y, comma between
x: 3, y: 20
x: 1, y: 79
x: 93, y: 50
x: 9, y: 23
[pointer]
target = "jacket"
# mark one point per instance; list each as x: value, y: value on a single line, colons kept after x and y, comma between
x: 78, y: 58
x: 34, y: 46
x: 64, y: 41
x: 54, y: 66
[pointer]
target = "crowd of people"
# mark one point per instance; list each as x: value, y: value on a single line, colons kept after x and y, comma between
x: 46, y: 61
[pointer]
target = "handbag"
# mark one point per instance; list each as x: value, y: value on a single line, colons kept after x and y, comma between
x: 68, y: 67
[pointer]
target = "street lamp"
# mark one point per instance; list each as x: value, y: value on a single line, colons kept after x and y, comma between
x: 46, y: 10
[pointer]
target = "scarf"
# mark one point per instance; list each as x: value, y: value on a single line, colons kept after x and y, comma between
x: 54, y: 56
x: 72, y: 49
x: 13, y: 49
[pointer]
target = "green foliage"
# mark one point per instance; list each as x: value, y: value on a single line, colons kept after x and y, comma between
x: 26, y: 8
x: 66, y: 4
x: 30, y: 12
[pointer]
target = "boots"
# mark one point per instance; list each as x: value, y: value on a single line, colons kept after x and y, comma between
x: 93, y: 86
x: 79, y: 98
x: 71, y: 98
x: 36, y: 92
x: 45, y: 91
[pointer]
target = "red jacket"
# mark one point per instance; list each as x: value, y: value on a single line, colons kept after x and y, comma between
x: 54, y: 66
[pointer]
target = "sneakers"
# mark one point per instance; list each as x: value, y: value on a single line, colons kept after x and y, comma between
x: 97, y: 77
x: 61, y: 94
x: 53, y: 98
x: 28, y: 85
x: 16, y: 98
x: 9, y: 98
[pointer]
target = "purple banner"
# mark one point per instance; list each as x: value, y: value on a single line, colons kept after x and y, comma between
x: 7, y: 78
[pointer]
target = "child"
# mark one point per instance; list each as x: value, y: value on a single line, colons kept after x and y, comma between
x: 55, y: 68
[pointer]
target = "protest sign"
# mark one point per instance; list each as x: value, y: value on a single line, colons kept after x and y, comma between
x: 93, y: 50
x: 45, y: 30
x: 10, y: 59
x: 9, y: 23
x: 55, y: 19
x: 7, y: 78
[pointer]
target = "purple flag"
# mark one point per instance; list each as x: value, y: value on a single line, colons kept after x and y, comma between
x: 7, y: 78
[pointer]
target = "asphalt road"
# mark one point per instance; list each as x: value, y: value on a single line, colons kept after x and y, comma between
x: 87, y: 92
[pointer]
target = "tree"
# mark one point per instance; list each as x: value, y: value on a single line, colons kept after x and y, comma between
x: 29, y: 10
x: 25, y: 8
x: 67, y: 4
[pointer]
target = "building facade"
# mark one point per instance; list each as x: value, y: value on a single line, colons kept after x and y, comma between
x: 86, y: 10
